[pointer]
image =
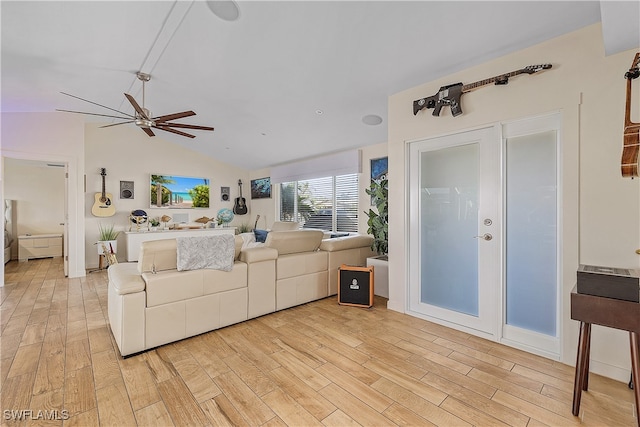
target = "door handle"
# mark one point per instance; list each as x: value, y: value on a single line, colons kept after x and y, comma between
x: 485, y: 236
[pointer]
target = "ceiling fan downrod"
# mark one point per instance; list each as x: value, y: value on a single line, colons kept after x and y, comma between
x: 144, y: 122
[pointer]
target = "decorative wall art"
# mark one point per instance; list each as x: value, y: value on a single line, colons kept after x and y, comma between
x: 261, y: 188
x: 178, y: 192
x: 379, y: 170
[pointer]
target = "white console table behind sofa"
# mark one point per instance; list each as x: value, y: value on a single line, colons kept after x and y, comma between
x: 135, y: 238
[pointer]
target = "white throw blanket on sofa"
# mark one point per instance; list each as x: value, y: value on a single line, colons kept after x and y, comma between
x: 215, y: 252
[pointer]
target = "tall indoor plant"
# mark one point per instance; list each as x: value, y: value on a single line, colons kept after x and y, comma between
x: 378, y: 223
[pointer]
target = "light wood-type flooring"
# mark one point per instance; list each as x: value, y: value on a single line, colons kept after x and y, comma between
x: 316, y: 364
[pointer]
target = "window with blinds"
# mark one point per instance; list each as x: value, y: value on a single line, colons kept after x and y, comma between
x: 329, y: 203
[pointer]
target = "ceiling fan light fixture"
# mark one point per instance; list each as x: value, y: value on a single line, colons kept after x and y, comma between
x: 144, y: 123
x: 226, y: 10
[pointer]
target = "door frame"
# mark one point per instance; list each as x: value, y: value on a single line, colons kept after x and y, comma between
x: 537, y: 123
x: 490, y: 159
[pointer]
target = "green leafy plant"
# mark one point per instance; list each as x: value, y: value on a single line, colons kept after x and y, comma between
x: 154, y: 222
x: 107, y: 233
x: 378, y: 221
x: 243, y: 228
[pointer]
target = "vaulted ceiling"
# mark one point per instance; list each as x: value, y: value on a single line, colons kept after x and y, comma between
x: 286, y: 80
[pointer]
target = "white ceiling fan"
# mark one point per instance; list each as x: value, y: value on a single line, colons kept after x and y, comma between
x: 142, y: 116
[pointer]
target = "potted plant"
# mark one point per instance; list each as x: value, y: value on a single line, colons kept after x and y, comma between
x: 154, y: 222
x: 108, y: 236
x: 378, y: 223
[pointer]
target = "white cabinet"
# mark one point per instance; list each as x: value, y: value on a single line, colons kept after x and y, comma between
x: 135, y: 238
x: 39, y: 246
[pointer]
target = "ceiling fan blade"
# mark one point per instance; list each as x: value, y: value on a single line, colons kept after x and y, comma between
x: 168, y: 129
x: 148, y: 131
x: 116, y: 124
x: 95, y: 103
x: 174, y: 116
x: 185, y: 126
x: 96, y: 114
x: 136, y: 107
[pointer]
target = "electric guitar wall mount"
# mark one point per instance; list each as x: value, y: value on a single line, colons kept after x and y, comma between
x: 450, y: 94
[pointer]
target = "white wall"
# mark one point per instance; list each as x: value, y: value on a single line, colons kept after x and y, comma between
x: 57, y: 137
x: 599, y: 208
x: 128, y: 154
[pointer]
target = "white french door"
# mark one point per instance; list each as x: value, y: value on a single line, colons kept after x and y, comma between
x: 455, y: 229
x: 483, y: 232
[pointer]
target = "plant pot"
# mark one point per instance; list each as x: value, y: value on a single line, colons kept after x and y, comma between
x: 113, y: 243
x: 380, y: 274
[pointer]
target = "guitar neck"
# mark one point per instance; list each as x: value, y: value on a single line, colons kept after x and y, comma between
x: 471, y: 86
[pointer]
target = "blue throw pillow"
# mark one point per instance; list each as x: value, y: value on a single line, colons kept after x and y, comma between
x: 261, y: 235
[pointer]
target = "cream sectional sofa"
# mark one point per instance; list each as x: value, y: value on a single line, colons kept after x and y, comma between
x: 151, y: 303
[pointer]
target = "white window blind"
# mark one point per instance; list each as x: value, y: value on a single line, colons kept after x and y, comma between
x: 327, y: 203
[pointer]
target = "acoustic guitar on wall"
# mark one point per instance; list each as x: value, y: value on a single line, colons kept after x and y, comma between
x: 240, y: 206
x: 103, y: 206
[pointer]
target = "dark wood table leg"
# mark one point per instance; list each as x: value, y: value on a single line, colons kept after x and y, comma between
x: 635, y: 370
x: 587, y: 358
x: 582, y: 366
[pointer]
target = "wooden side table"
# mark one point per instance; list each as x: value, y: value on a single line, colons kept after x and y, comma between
x: 613, y: 313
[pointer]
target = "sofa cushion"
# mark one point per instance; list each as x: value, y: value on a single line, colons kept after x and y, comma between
x: 157, y: 255
x: 300, y: 264
x: 289, y: 242
x: 346, y: 242
x: 285, y: 226
x: 125, y: 278
x: 170, y: 286
x: 219, y: 281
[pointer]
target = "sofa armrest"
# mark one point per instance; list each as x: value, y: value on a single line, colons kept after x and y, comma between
x: 125, y: 279
x: 252, y: 255
x: 346, y: 242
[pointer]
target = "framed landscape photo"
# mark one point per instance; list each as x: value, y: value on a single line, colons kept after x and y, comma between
x: 261, y: 188
x: 178, y: 192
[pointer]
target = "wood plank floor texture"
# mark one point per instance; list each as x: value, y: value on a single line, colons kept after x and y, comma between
x: 315, y: 364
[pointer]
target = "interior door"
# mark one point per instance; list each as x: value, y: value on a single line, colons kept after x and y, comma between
x: 455, y: 229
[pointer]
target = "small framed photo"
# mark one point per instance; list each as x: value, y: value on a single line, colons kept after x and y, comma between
x: 261, y: 188
x: 379, y: 168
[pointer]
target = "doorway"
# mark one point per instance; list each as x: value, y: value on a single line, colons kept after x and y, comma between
x: 40, y: 191
x: 483, y: 232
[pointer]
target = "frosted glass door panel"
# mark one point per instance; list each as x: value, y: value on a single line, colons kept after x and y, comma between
x: 449, y: 209
x: 531, y: 232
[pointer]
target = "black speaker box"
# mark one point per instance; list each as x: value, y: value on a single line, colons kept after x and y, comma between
x: 224, y: 194
x: 126, y: 189
x: 609, y: 282
x: 355, y: 286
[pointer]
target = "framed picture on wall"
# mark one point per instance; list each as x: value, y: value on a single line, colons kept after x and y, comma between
x: 261, y: 188
x: 173, y: 191
x: 379, y: 170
